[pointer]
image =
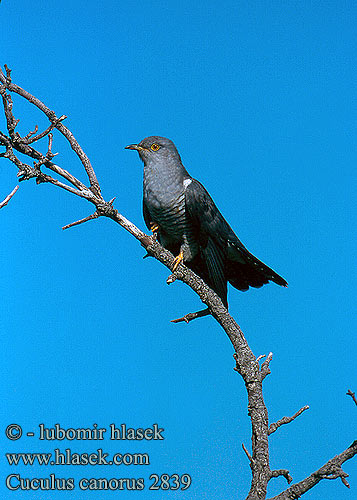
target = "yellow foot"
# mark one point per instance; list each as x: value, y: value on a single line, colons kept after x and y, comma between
x: 154, y: 228
x: 177, y: 260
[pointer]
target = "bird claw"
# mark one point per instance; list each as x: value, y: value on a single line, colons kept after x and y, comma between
x: 154, y: 228
x: 177, y: 261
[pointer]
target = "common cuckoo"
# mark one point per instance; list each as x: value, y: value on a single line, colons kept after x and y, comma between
x: 186, y: 221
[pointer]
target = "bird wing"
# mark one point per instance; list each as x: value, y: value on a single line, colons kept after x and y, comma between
x: 226, y: 257
x: 146, y: 215
x: 210, y: 232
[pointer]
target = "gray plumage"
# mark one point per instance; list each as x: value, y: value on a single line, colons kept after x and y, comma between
x: 189, y: 222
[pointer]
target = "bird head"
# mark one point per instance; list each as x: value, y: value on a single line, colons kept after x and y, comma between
x: 155, y: 149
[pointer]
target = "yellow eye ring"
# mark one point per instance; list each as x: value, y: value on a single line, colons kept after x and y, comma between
x: 155, y: 147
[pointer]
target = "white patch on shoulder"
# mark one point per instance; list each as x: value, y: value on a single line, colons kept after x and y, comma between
x: 186, y: 183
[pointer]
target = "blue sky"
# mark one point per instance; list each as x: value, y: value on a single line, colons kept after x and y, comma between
x: 259, y: 97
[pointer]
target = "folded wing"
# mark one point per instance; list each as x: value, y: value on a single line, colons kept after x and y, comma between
x: 222, y: 256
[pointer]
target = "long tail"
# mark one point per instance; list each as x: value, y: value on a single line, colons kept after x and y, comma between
x: 244, y: 270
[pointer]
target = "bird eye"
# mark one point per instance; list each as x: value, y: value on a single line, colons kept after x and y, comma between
x: 155, y: 147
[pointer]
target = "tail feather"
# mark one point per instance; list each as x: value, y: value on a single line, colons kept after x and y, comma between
x: 246, y: 270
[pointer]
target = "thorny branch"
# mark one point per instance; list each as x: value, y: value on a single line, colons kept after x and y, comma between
x: 247, y: 365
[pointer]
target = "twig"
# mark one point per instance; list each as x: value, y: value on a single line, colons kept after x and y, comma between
x: 11, y: 122
x: 265, y: 370
x: 24, y: 168
x: 191, y: 316
x: 90, y: 217
x: 30, y: 139
x: 285, y: 420
x: 86, y: 193
x: 352, y: 394
x: 28, y: 136
x: 41, y: 177
x: 281, y: 472
x: 20, y: 144
x: 58, y: 125
x: 27, y: 172
x: 9, y: 196
x: 247, y: 453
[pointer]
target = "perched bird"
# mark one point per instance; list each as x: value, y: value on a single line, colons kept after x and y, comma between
x: 186, y: 221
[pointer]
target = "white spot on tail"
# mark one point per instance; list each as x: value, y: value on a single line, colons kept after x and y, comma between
x: 186, y: 183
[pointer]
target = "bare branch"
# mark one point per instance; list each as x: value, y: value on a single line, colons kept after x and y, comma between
x: 24, y: 168
x: 49, y: 155
x: 59, y: 126
x: 9, y: 196
x: 11, y: 122
x: 331, y: 470
x: 70, y: 178
x: 282, y: 472
x: 28, y: 136
x: 247, y: 453
x: 8, y: 72
x: 90, y: 217
x: 27, y: 172
x: 352, y: 394
x: 265, y: 370
x: 285, y: 420
x: 41, y: 177
x: 30, y: 139
x: 20, y: 144
x: 191, y: 316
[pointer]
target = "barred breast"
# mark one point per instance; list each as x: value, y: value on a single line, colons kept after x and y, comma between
x: 166, y: 205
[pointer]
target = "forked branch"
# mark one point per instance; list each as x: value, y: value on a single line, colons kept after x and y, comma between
x: 331, y: 470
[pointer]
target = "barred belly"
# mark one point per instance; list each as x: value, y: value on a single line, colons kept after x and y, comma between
x: 170, y: 216
x: 175, y: 232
